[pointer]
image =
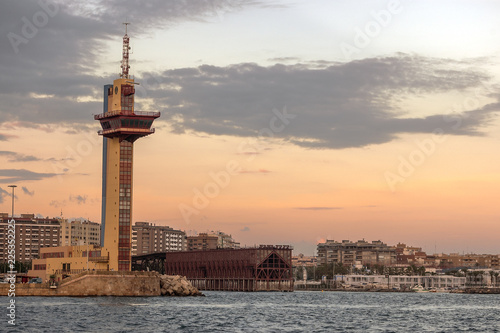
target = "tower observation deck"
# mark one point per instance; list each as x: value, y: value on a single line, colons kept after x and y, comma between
x: 121, y: 127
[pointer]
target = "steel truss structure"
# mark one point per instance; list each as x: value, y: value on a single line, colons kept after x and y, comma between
x: 263, y: 268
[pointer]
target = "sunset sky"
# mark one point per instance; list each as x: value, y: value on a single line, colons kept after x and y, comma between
x: 283, y: 122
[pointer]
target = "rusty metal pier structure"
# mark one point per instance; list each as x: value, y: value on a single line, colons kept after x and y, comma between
x: 262, y: 268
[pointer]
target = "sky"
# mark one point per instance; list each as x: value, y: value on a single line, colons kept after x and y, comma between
x: 282, y: 121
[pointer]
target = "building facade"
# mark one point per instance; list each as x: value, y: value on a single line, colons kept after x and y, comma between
x: 403, y: 281
x: 225, y: 241
x: 31, y: 235
x: 203, y: 241
x: 148, y: 238
x: 356, y: 253
x: 80, y: 233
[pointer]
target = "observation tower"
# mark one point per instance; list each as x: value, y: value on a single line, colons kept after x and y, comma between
x: 121, y: 127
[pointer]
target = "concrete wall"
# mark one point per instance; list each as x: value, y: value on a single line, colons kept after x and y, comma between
x: 100, y: 283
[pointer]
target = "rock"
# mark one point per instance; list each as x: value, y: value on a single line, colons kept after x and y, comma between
x: 177, y: 285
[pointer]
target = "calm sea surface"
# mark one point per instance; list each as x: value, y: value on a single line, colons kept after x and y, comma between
x: 260, y: 312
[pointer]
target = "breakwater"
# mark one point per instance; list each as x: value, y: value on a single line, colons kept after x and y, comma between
x: 108, y: 283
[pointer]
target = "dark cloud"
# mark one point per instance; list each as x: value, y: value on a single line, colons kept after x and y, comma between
x: 55, y: 56
x: 338, y: 106
x: 16, y: 157
x: 335, y: 105
x: 8, y: 176
x: 3, y: 137
x: 318, y: 208
x: 28, y: 192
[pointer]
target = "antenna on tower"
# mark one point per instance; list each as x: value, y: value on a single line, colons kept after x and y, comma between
x: 126, y: 47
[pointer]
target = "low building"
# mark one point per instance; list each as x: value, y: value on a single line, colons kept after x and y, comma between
x: 306, y: 261
x: 62, y: 261
x: 31, y: 235
x: 356, y: 253
x: 149, y: 238
x: 403, y: 281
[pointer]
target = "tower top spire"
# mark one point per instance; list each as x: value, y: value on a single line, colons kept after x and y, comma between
x: 126, y: 23
x: 126, y: 47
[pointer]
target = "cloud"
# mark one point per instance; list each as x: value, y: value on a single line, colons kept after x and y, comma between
x: 339, y: 106
x: 318, y: 208
x: 18, y: 175
x: 57, y: 204
x: 263, y: 171
x: 79, y: 199
x: 28, y: 192
x: 16, y: 157
x: 3, y: 193
x: 45, y: 74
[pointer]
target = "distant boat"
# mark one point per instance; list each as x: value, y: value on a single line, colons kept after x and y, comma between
x: 419, y: 289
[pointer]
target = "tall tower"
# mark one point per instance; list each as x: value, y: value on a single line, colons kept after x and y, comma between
x: 121, y: 127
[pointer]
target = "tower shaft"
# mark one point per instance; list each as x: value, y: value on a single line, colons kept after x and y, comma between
x: 121, y: 127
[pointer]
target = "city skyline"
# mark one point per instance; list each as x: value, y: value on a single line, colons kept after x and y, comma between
x: 282, y: 122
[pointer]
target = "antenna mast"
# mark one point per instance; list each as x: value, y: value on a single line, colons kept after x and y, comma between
x: 126, y: 47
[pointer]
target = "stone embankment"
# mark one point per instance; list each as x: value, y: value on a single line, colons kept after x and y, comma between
x: 108, y: 283
x: 481, y: 291
x: 176, y: 285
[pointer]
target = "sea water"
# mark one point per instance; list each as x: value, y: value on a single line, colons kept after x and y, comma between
x: 260, y: 312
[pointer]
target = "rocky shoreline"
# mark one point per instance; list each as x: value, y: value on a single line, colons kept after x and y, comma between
x: 176, y: 285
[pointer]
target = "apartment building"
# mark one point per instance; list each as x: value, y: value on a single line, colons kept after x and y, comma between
x: 356, y: 253
x: 150, y: 238
x: 203, y: 241
x: 80, y: 233
x: 211, y: 241
x: 31, y: 234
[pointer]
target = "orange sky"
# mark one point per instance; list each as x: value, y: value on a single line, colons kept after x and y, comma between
x: 395, y: 140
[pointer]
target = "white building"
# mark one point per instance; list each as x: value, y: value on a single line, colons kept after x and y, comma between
x: 403, y: 281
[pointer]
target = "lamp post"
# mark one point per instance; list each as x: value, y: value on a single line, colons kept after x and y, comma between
x: 13, y: 187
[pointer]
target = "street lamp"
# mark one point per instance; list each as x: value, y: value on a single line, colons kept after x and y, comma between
x: 13, y: 187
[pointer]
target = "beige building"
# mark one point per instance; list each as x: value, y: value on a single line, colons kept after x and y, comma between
x: 31, y: 235
x: 302, y: 260
x: 356, y: 253
x: 80, y: 233
x: 211, y: 241
x: 203, y: 241
x: 149, y: 238
x: 468, y: 260
x: 62, y: 261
